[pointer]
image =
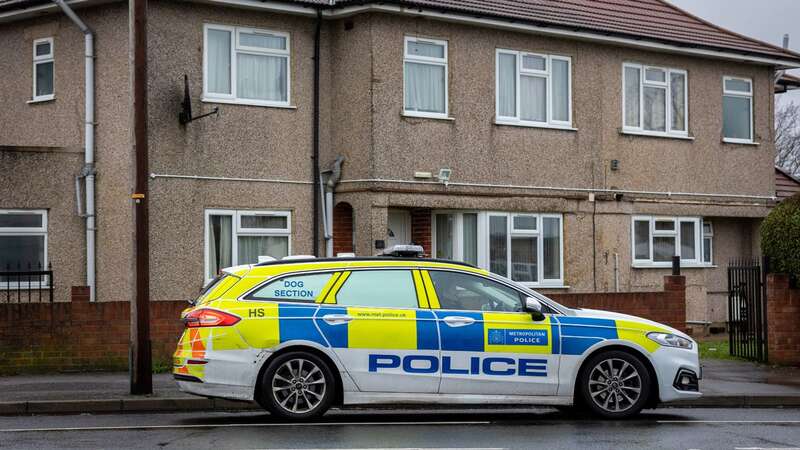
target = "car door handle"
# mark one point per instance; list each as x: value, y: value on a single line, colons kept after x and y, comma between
x: 458, y: 321
x: 336, y: 319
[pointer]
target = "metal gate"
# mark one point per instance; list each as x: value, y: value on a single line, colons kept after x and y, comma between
x: 747, y: 312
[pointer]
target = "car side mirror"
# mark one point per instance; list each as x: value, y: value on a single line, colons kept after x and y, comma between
x: 534, y: 306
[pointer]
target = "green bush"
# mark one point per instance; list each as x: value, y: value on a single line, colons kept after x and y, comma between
x: 780, y: 238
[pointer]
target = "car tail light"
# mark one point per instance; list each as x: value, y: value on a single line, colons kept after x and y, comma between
x: 209, y: 318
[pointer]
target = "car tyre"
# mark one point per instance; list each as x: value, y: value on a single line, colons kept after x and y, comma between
x: 614, y: 385
x: 297, y: 386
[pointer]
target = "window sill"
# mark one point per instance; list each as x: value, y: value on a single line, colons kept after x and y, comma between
x: 656, y: 135
x: 739, y: 142
x: 533, y: 125
x: 232, y: 101
x: 427, y: 116
x: 45, y: 99
x: 669, y: 266
x: 536, y: 286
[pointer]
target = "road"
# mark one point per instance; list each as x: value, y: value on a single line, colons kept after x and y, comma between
x: 438, y: 429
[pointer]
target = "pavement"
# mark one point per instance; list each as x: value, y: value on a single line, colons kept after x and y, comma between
x: 484, y: 428
x: 725, y: 384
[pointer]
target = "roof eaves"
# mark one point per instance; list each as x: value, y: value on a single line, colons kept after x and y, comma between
x: 779, y: 54
x: 776, y: 48
x: 787, y: 174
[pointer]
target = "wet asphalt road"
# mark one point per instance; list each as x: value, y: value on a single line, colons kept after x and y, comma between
x: 443, y: 429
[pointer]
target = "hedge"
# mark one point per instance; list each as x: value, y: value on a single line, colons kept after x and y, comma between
x: 780, y: 237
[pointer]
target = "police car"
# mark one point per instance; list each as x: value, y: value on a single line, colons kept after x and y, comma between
x: 301, y: 336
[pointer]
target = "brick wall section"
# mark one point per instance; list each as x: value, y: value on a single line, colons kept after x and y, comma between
x: 783, y: 310
x: 79, y: 335
x: 667, y: 307
x: 421, y: 229
x: 342, y: 228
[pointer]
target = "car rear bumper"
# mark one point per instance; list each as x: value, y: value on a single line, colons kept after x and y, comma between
x: 215, y: 390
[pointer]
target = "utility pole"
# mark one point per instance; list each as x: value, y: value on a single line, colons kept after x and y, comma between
x: 140, y: 357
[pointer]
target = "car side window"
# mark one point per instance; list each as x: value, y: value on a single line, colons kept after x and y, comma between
x: 473, y: 293
x: 297, y: 288
x: 378, y: 288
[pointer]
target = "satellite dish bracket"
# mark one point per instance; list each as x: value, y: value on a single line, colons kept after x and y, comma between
x: 185, y: 116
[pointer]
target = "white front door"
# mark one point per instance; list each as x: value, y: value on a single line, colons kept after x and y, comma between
x: 399, y: 228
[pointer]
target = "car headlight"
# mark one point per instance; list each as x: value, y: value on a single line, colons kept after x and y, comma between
x: 670, y: 340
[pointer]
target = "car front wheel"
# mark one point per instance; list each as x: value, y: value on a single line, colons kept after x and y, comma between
x: 614, y: 385
x: 297, y: 386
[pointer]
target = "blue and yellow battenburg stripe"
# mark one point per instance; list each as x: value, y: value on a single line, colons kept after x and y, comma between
x: 399, y: 329
x: 266, y: 325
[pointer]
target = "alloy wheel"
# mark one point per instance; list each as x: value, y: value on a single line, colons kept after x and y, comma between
x: 298, y: 386
x: 615, y: 385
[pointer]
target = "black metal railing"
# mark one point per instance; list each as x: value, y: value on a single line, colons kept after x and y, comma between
x: 747, y: 311
x: 26, y: 283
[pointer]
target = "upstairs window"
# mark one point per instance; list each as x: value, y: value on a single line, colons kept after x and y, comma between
x: 533, y: 89
x: 43, y: 70
x: 240, y: 237
x: 657, y: 239
x: 655, y: 100
x: 245, y: 65
x: 425, y: 77
x: 23, y: 242
x: 737, y: 110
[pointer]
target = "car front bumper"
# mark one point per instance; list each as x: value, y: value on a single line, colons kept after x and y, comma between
x: 671, y: 364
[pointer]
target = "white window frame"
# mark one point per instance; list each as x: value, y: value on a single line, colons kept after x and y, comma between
x: 42, y: 59
x: 232, y: 98
x: 27, y: 231
x: 547, y: 74
x: 738, y: 94
x: 667, y: 85
x: 710, y: 237
x: 237, y: 231
x: 697, y: 261
x: 430, y: 61
x: 484, y: 241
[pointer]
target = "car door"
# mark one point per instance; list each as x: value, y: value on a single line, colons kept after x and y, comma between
x: 374, y: 321
x: 488, y: 344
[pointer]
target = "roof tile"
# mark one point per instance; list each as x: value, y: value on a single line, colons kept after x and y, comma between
x: 655, y: 20
x: 648, y: 19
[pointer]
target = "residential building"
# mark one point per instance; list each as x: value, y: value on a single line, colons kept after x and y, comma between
x: 574, y: 147
x: 786, y: 185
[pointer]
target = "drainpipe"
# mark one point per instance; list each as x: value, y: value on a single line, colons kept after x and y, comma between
x: 88, y: 172
x: 315, y: 155
x: 334, y: 175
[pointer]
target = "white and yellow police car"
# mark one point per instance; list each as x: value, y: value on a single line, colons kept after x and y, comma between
x: 300, y: 336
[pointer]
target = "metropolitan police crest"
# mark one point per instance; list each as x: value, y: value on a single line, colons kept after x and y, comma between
x: 496, y: 337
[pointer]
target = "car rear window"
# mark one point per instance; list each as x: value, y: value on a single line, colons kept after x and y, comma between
x: 304, y: 288
x: 216, y: 287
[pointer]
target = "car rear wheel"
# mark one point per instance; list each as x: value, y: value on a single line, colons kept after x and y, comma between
x: 297, y: 386
x: 614, y: 385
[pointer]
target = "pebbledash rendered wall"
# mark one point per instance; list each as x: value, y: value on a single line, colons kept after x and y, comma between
x: 79, y: 335
x: 361, y: 88
x: 388, y: 145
